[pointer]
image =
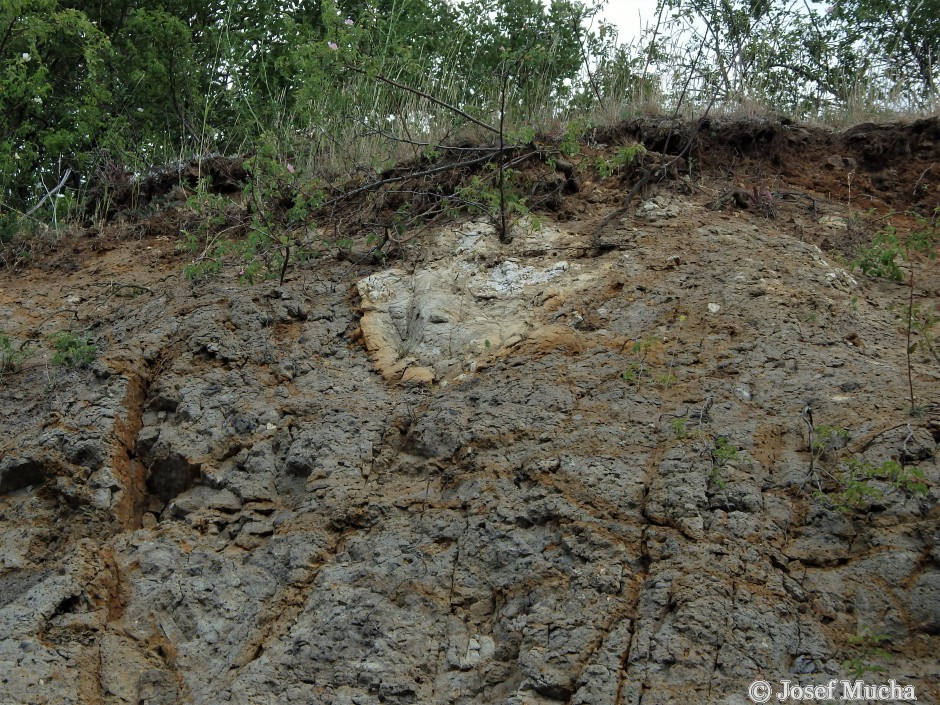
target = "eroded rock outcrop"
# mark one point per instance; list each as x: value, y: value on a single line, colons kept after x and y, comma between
x: 514, y: 475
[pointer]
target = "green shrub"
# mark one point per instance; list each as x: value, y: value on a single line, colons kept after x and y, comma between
x: 73, y: 349
x: 858, y: 484
x: 12, y: 359
x: 871, y: 658
x: 53, y: 95
x: 880, y: 258
x: 9, y: 226
x: 623, y: 156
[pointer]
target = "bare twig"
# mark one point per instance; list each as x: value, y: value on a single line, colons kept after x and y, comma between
x: 587, y: 65
x: 415, y: 175
x: 702, y: 413
x: 51, y: 193
x: 504, y: 235
x: 921, y: 178
x: 807, y: 417
x: 115, y: 288
x: 284, y: 264
x: 35, y: 331
x: 910, y: 326
x: 426, y: 96
x: 433, y: 145
x: 660, y: 9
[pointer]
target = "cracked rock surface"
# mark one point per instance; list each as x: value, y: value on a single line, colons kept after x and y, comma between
x: 522, y: 474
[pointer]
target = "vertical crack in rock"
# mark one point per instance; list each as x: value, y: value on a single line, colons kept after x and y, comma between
x: 130, y: 473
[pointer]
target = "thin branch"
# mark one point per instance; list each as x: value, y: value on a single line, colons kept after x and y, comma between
x: 921, y: 178
x: 910, y: 326
x: 436, y: 170
x: 116, y: 288
x: 426, y: 96
x: 585, y: 60
x: 432, y: 145
x: 660, y: 8
x: 35, y: 332
x: 54, y: 191
x: 504, y: 236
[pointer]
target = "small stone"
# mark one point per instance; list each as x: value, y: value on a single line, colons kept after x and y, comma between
x: 417, y: 375
x: 854, y: 339
x: 832, y: 221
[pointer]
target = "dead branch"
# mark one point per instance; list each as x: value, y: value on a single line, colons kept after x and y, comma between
x: 51, y: 193
x: 427, y: 96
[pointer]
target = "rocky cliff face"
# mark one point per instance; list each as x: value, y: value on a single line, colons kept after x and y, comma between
x: 530, y: 473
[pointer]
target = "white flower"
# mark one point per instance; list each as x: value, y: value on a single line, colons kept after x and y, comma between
x: 25, y: 56
x: 37, y: 99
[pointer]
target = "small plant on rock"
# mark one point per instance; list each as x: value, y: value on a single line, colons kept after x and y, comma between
x: 678, y: 428
x: 859, y: 484
x: 880, y: 259
x: 855, y: 484
x: 623, y: 156
x: 872, y: 657
x: 825, y: 438
x: 666, y: 380
x: 73, y: 349
x: 724, y: 450
x: 12, y: 359
x: 637, y: 367
x: 721, y: 453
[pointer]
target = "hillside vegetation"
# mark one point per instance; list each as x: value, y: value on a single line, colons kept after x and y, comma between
x: 93, y: 95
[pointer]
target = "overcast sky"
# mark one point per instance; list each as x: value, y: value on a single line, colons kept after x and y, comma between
x: 630, y: 16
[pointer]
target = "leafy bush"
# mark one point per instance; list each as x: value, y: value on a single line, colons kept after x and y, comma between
x: 53, y: 95
x: 73, y: 349
x: 880, y: 258
x: 339, y: 88
x: 9, y: 227
x: 872, y: 657
x: 12, y: 359
x: 859, y: 484
x: 623, y: 156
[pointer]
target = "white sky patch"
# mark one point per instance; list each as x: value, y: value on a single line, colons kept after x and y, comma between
x: 630, y: 17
